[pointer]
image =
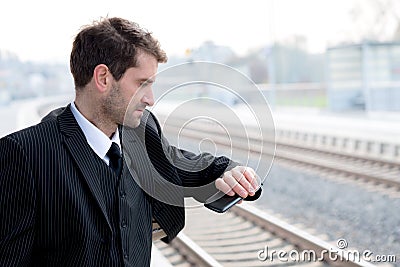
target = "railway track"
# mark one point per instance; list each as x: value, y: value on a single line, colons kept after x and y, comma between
x: 245, y: 236
x: 242, y: 235
x: 377, y: 171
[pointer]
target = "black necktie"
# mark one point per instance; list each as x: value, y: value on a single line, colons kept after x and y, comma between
x: 115, y: 158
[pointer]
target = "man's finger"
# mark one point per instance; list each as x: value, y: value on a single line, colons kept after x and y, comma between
x: 243, y: 180
x: 224, y: 187
x: 235, y: 185
x: 252, y: 178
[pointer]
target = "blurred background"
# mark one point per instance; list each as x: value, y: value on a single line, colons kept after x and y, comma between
x: 328, y: 68
x: 337, y: 55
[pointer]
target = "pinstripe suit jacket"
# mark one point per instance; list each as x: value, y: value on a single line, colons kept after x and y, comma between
x: 52, y: 209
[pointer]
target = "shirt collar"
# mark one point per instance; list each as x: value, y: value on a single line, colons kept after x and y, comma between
x: 97, y: 140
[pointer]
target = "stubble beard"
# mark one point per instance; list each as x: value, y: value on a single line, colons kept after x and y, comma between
x: 113, y: 106
x: 119, y: 110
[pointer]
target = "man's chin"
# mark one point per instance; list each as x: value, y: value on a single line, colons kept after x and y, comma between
x: 132, y: 122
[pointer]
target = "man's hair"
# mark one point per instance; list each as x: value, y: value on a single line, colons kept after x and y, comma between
x: 114, y: 42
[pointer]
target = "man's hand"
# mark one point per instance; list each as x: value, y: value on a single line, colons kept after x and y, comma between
x: 240, y: 180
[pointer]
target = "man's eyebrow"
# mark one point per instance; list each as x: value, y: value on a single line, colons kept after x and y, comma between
x: 149, y: 80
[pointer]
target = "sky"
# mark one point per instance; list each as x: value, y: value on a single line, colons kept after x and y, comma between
x: 43, y: 30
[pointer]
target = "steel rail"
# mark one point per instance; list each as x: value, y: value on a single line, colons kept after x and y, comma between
x: 239, y: 237
x: 288, y: 152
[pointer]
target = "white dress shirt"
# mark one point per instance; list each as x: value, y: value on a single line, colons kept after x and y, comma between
x: 97, y: 140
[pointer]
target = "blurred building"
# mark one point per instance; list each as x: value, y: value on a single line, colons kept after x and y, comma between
x: 364, y: 76
x: 209, y: 51
x: 20, y: 79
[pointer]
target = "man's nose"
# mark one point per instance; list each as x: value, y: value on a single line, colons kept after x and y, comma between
x: 148, y: 97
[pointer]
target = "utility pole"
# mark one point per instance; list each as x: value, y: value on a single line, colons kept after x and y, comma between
x: 270, y: 54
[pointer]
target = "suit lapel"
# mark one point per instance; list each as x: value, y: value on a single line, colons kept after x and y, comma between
x: 82, y: 155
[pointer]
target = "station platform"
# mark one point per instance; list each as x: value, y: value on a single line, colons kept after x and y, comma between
x: 383, y: 126
x: 368, y: 134
x: 371, y: 134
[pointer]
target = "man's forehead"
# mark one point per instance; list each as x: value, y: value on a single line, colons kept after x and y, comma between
x: 141, y: 74
x: 145, y: 56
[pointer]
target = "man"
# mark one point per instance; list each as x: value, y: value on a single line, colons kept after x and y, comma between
x: 66, y: 196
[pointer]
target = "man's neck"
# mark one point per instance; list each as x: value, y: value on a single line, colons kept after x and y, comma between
x: 95, y: 116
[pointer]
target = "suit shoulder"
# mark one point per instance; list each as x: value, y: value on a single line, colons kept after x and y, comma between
x: 52, y: 115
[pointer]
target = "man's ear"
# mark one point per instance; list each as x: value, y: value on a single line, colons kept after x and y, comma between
x: 102, y: 77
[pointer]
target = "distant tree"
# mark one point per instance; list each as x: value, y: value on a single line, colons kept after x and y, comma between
x: 377, y: 20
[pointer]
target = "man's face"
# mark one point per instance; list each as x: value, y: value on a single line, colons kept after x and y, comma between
x: 133, y: 92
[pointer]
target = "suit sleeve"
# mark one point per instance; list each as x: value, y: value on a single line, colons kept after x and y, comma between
x: 197, y: 172
x: 17, y: 205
